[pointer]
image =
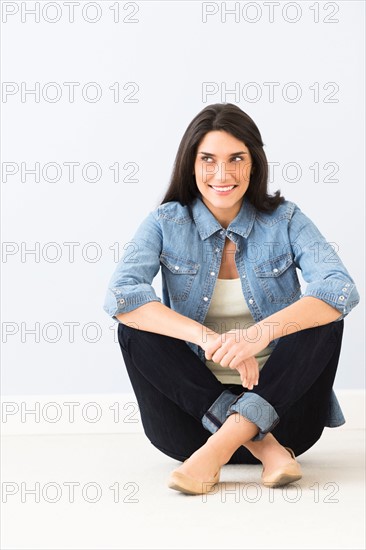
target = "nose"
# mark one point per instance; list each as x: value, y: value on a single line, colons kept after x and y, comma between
x: 223, y: 174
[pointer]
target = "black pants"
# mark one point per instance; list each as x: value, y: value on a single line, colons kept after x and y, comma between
x: 174, y: 388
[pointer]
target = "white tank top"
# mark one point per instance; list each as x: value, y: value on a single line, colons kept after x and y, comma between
x: 228, y: 310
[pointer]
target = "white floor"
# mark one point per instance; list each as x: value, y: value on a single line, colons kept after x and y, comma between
x: 134, y: 509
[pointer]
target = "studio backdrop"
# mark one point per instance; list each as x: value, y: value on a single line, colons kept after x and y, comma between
x: 95, y: 99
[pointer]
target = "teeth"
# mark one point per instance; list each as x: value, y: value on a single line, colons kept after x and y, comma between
x: 223, y: 188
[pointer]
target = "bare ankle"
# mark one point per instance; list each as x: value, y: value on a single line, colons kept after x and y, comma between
x: 261, y: 447
x: 219, y: 448
x: 230, y: 436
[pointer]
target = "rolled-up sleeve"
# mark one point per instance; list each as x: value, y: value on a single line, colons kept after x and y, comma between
x: 324, y: 272
x: 130, y: 285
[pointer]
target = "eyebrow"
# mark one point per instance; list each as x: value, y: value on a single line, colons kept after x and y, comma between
x: 231, y: 155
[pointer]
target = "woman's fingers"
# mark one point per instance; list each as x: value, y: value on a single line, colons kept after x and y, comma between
x: 243, y: 374
x: 248, y: 368
x: 249, y: 372
x: 213, y: 344
x: 218, y: 355
x: 225, y: 354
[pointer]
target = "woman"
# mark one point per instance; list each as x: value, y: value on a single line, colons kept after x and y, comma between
x: 235, y: 364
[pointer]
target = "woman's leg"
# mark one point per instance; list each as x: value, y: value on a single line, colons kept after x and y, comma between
x: 293, y: 392
x: 298, y: 346
x: 173, y: 388
x: 303, y: 423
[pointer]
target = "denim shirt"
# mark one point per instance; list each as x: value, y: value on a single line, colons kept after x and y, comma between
x: 187, y: 243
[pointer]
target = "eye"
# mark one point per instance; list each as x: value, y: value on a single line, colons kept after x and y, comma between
x: 205, y: 158
x: 237, y: 157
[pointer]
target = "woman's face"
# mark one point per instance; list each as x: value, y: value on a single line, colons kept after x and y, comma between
x: 222, y: 169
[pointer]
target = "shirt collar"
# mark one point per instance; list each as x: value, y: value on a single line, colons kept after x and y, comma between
x: 207, y: 224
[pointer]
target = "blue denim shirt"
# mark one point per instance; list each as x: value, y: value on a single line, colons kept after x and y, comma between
x: 187, y: 243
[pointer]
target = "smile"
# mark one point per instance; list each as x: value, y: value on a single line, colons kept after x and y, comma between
x: 223, y: 190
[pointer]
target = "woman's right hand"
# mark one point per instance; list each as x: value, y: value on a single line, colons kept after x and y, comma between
x: 211, y: 341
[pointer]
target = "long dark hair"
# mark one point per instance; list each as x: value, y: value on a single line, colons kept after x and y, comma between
x: 231, y: 119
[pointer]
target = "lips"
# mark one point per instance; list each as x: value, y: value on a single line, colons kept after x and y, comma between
x: 223, y: 189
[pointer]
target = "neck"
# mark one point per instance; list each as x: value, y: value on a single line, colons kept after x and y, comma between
x: 225, y: 216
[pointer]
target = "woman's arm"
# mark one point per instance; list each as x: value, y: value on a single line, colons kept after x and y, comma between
x: 237, y: 346
x: 131, y: 298
x: 322, y: 269
x: 305, y: 313
x: 157, y: 317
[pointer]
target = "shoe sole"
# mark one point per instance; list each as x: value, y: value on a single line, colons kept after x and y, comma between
x: 182, y: 483
x: 287, y: 474
x: 284, y: 479
x: 184, y: 490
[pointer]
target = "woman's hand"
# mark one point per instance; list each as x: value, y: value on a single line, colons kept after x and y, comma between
x: 211, y: 344
x: 249, y: 372
x: 236, y: 346
x: 248, y: 369
x: 236, y: 349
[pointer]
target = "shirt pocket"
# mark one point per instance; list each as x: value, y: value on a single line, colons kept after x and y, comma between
x: 179, y: 274
x: 279, y: 279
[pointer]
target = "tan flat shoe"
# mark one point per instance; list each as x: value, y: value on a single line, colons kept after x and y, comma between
x: 189, y: 485
x: 287, y: 474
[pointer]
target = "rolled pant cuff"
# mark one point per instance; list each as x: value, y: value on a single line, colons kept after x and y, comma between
x: 214, y: 418
x: 257, y: 410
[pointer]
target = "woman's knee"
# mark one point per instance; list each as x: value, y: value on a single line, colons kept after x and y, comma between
x: 331, y: 333
x: 317, y: 339
x: 128, y: 334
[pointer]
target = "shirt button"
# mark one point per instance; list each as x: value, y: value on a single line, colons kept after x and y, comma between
x: 341, y: 298
x: 205, y: 298
x: 251, y: 301
x: 121, y: 301
x: 275, y: 270
x: 118, y: 292
x: 344, y: 289
x: 212, y: 273
x: 176, y: 267
x: 347, y: 284
x: 221, y: 232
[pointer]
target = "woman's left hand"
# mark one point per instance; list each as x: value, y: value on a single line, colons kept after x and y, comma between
x: 249, y: 372
x: 236, y: 346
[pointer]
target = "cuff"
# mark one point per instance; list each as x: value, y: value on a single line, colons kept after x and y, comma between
x: 257, y: 410
x: 214, y: 418
x: 335, y: 416
x: 128, y: 298
x: 338, y: 293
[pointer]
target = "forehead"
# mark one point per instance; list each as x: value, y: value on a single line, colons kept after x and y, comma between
x: 219, y: 140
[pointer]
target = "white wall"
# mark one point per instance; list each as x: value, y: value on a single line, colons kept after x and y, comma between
x: 169, y: 53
